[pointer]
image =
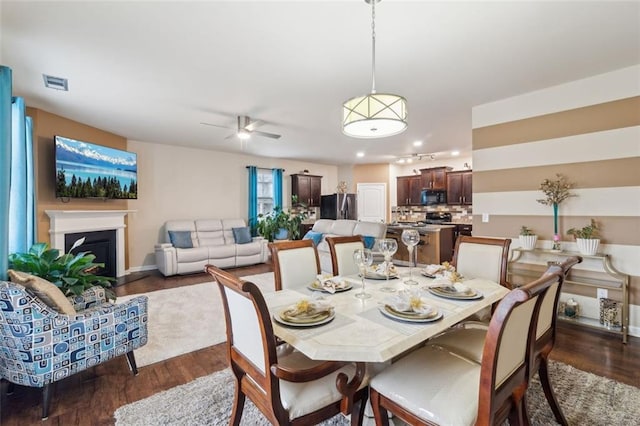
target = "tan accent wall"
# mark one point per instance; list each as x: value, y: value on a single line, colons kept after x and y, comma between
x: 373, y: 173
x: 593, y: 118
x: 588, y: 174
x: 609, y: 177
x: 45, y: 127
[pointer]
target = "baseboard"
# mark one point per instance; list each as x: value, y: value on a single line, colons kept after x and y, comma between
x: 142, y: 268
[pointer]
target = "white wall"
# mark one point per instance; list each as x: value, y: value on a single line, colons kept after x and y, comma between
x: 186, y: 183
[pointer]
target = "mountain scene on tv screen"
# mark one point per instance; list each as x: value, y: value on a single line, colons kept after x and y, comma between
x: 86, y: 170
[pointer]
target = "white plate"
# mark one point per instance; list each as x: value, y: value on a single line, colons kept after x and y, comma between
x: 304, y: 324
x: 437, y: 291
x: 348, y: 286
x: 389, y: 314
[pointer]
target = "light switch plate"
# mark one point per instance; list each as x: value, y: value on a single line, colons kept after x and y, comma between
x: 602, y: 293
x: 485, y: 217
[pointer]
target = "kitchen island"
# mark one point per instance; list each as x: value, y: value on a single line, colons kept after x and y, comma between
x: 435, y: 244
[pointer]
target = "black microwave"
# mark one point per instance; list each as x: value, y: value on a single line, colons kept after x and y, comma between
x: 430, y: 197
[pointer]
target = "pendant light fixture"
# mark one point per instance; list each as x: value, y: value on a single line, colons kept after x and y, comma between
x: 376, y: 115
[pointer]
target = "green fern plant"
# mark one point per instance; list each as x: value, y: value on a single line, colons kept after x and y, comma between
x: 72, y: 273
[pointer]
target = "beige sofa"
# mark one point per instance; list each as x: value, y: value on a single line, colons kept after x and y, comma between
x: 213, y: 243
x: 342, y: 227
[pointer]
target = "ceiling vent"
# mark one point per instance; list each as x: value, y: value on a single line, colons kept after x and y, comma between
x: 57, y: 83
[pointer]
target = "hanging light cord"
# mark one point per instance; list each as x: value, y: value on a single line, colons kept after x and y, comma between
x: 373, y: 46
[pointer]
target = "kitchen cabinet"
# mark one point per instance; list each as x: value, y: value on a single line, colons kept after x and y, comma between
x: 434, y: 246
x: 459, y: 189
x: 307, y: 188
x: 435, y: 178
x: 408, y: 190
x: 461, y: 229
x: 579, y: 282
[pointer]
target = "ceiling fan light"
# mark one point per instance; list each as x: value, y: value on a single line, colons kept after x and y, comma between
x: 243, y: 134
x: 376, y: 115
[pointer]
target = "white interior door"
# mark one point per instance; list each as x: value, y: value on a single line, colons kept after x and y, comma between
x: 372, y: 202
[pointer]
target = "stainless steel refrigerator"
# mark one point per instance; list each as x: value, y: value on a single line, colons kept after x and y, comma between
x: 338, y: 206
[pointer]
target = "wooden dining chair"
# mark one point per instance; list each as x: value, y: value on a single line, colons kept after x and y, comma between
x: 434, y: 386
x: 341, y: 249
x: 468, y: 338
x: 482, y: 257
x: 288, y: 388
x: 295, y: 263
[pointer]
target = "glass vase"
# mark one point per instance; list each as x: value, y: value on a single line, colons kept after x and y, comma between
x: 556, y: 237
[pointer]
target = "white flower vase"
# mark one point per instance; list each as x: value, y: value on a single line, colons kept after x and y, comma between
x: 528, y: 242
x: 588, y: 246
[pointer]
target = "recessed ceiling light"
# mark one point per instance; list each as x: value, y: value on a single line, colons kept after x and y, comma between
x: 417, y: 143
x: 401, y: 161
x: 455, y: 153
x: 360, y: 154
x: 409, y: 160
x: 57, y: 83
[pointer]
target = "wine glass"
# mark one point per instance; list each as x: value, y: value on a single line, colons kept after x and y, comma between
x: 388, y: 247
x: 410, y: 238
x: 364, y: 259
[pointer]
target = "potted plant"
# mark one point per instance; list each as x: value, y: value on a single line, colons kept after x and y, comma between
x: 587, y: 238
x: 72, y: 273
x: 279, y: 224
x: 527, y: 238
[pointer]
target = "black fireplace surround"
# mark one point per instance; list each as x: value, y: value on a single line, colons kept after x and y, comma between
x: 102, y: 244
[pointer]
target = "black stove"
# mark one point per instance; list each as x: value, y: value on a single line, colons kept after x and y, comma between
x: 435, y: 218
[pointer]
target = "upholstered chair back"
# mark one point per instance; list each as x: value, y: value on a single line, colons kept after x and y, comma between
x: 509, y: 346
x: 480, y: 257
x: 246, y: 335
x: 547, y: 310
x: 295, y: 263
x: 513, y: 344
x: 341, y: 249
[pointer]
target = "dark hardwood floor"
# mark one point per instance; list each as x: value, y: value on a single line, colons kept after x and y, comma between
x: 91, y: 397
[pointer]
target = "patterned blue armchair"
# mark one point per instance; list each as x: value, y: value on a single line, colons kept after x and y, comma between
x: 39, y: 346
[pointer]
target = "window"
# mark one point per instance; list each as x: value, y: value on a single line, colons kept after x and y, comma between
x: 265, y: 191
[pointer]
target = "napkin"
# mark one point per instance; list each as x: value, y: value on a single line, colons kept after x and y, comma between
x: 381, y: 269
x: 330, y: 283
x: 410, y: 302
x: 306, y: 308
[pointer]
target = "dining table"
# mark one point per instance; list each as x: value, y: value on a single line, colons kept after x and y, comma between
x: 362, y: 331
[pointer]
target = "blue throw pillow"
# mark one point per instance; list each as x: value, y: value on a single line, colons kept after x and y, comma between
x: 315, y: 236
x: 369, y: 241
x: 242, y: 235
x: 181, y: 239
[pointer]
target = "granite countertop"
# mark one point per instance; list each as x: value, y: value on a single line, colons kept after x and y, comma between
x: 421, y: 229
x: 459, y: 222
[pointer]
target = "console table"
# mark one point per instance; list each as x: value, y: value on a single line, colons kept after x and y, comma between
x: 618, y: 282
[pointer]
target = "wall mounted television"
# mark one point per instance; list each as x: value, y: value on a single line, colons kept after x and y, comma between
x: 88, y: 170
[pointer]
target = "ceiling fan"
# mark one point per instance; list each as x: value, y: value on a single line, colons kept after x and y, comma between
x: 246, y: 128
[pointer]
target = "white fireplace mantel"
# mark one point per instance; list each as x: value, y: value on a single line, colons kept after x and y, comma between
x: 72, y: 221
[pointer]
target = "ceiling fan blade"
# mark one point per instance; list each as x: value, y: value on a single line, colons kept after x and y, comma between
x: 216, y: 125
x: 266, y: 135
x: 254, y: 125
x: 231, y: 136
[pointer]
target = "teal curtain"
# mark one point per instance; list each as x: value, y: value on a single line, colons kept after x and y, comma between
x: 277, y: 187
x: 22, y: 223
x: 5, y: 166
x: 253, y: 198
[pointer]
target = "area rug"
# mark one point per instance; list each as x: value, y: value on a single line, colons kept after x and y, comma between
x: 185, y: 319
x: 585, y: 399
